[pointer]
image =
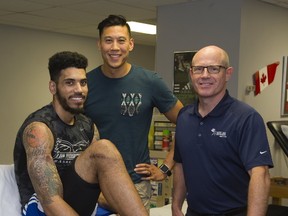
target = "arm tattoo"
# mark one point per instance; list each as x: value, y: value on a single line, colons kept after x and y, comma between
x: 38, y: 141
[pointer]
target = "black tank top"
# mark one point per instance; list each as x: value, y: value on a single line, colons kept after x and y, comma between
x: 69, y: 142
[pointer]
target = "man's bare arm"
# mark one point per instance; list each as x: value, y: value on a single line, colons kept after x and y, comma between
x: 96, y: 133
x: 258, y: 193
x: 38, y: 142
x: 172, y: 114
x: 153, y: 172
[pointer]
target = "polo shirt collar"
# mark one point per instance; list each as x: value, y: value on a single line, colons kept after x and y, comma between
x: 220, y: 108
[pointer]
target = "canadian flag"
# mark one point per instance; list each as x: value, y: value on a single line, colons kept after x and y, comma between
x: 264, y: 77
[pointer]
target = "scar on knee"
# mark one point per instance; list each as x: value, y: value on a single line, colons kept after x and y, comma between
x: 101, y: 156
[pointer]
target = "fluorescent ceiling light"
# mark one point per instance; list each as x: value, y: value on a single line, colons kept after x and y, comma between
x: 142, y: 27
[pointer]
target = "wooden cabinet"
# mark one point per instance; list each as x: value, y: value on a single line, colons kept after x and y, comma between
x: 278, y: 189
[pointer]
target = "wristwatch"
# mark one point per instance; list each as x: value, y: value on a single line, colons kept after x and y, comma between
x: 165, y: 169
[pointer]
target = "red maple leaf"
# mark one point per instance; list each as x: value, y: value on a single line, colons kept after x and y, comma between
x: 263, y: 78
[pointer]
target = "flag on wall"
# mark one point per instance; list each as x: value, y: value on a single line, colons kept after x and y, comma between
x: 264, y: 77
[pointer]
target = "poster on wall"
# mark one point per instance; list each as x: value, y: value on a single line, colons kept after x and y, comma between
x: 182, y: 85
x: 284, y: 95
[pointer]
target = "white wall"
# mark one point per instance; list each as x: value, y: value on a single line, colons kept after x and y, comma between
x: 264, y: 40
x: 24, y: 74
x: 254, y: 34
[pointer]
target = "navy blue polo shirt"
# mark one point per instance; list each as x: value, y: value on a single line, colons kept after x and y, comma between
x: 217, y: 151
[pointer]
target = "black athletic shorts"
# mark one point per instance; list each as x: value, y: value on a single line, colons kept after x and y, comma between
x: 80, y: 195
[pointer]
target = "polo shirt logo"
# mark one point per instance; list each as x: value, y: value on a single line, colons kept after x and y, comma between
x: 221, y: 134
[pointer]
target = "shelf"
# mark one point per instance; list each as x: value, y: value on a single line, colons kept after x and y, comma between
x: 159, y: 126
x: 158, y: 154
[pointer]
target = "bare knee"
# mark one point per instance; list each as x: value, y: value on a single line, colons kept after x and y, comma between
x: 104, y: 151
x: 100, y: 156
x: 104, y: 146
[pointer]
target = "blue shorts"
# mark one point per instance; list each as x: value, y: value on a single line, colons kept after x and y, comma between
x: 103, y: 212
x: 33, y: 207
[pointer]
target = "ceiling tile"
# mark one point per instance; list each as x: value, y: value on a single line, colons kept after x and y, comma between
x: 81, y: 17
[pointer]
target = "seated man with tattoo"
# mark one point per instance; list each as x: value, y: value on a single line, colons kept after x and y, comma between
x: 61, y: 164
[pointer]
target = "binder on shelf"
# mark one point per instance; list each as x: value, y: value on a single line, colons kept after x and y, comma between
x: 159, y: 127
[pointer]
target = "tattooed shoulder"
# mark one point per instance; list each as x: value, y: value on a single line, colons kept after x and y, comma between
x: 37, y: 134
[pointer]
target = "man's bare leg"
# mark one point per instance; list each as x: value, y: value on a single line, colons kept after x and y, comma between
x: 102, y: 163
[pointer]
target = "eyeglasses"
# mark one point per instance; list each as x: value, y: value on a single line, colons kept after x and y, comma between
x: 212, y: 69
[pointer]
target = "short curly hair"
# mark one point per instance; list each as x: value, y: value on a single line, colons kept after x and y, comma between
x: 63, y: 60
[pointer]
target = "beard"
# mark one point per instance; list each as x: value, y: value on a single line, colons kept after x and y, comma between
x: 63, y: 102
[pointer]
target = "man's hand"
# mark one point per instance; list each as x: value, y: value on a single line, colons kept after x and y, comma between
x: 151, y: 171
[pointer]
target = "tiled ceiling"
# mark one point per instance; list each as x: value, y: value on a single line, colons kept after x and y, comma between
x: 80, y: 17
x: 281, y: 3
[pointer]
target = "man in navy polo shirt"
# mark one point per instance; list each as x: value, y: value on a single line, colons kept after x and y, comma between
x: 222, y: 153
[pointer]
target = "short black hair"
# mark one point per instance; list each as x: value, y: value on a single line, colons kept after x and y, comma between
x: 63, y: 60
x: 113, y: 20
